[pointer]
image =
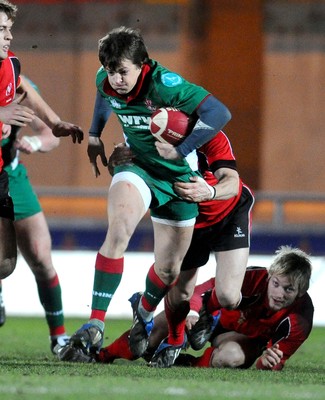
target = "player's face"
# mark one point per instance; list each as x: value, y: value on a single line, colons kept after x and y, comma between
x: 5, y: 35
x: 281, y: 292
x: 124, y: 78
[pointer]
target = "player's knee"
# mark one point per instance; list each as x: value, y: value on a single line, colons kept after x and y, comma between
x: 118, y: 239
x: 228, y: 300
x: 228, y: 355
x: 167, y: 273
x: 7, y: 267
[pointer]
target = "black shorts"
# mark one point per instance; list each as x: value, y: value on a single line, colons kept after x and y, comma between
x: 233, y: 232
x: 6, y: 204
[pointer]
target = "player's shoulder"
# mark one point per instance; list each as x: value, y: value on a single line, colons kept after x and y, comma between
x: 256, y: 277
x: 164, y: 77
x: 101, y: 75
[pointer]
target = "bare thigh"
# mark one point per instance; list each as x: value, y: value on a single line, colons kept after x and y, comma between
x: 170, y: 246
x: 230, y: 272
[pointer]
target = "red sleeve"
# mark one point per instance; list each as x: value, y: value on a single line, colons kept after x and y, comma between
x: 292, y: 331
x: 196, y: 300
x: 219, y: 152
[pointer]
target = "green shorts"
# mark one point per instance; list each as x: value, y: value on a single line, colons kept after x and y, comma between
x: 26, y: 203
x: 165, y: 203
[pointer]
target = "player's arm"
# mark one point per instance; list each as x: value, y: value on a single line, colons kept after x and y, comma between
x: 213, y: 116
x: 291, y: 333
x: 96, y: 148
x: 16, y: 114
x: 43, y: 140
x: 47, y: 115
x: 199, y: 190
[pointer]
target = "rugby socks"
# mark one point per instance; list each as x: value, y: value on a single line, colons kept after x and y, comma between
x: 155, y: 291
x: 213, y: 302
x: 118, y: 349
x: 176, y: 322
x: 205, y: 360
x: 108, y: 275
x: 50, y: 297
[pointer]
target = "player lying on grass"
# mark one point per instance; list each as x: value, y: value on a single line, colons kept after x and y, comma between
x: 272, y: 321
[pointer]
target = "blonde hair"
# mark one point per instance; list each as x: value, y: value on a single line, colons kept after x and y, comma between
x: 295, y: 263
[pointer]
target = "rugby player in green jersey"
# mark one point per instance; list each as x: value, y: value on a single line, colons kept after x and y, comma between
x: 133, y: 87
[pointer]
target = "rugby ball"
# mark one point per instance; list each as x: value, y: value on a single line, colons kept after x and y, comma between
x: 169, y: 125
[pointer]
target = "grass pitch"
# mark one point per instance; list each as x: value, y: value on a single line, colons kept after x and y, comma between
x: 29, y: 371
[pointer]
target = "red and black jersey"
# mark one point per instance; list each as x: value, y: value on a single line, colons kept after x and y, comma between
x: 288, y: 327
x: 10, y: 79
x: 215, y: 154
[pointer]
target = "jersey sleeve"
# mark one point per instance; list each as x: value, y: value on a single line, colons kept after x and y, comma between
x: 219, y: 153
x: 292, y: 332
x: 196, y: 299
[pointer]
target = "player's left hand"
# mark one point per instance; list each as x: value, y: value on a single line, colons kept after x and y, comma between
x: 167, y: 151
x: 63, y: 128
x: 271, y: 356
x: 196, y: 191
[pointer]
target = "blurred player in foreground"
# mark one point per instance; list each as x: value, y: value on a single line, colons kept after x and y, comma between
x: 32, y: 233
x: 14, y: 113
x: 134, y: 86
x: 272, y: 321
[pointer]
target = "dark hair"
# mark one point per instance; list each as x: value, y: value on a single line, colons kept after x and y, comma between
x: 119, y: 44
x: 9, y: 9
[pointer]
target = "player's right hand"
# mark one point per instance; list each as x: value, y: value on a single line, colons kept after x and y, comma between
x: 95, y: 149
x: 16, y: 114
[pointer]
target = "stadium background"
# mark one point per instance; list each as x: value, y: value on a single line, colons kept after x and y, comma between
x: 265, y: 59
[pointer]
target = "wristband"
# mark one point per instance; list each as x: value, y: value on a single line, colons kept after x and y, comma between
x: 214, y: 193
x: 34, y: 141
x: 193, y: 313
x: 212, y: 189
x: 94, y: 134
